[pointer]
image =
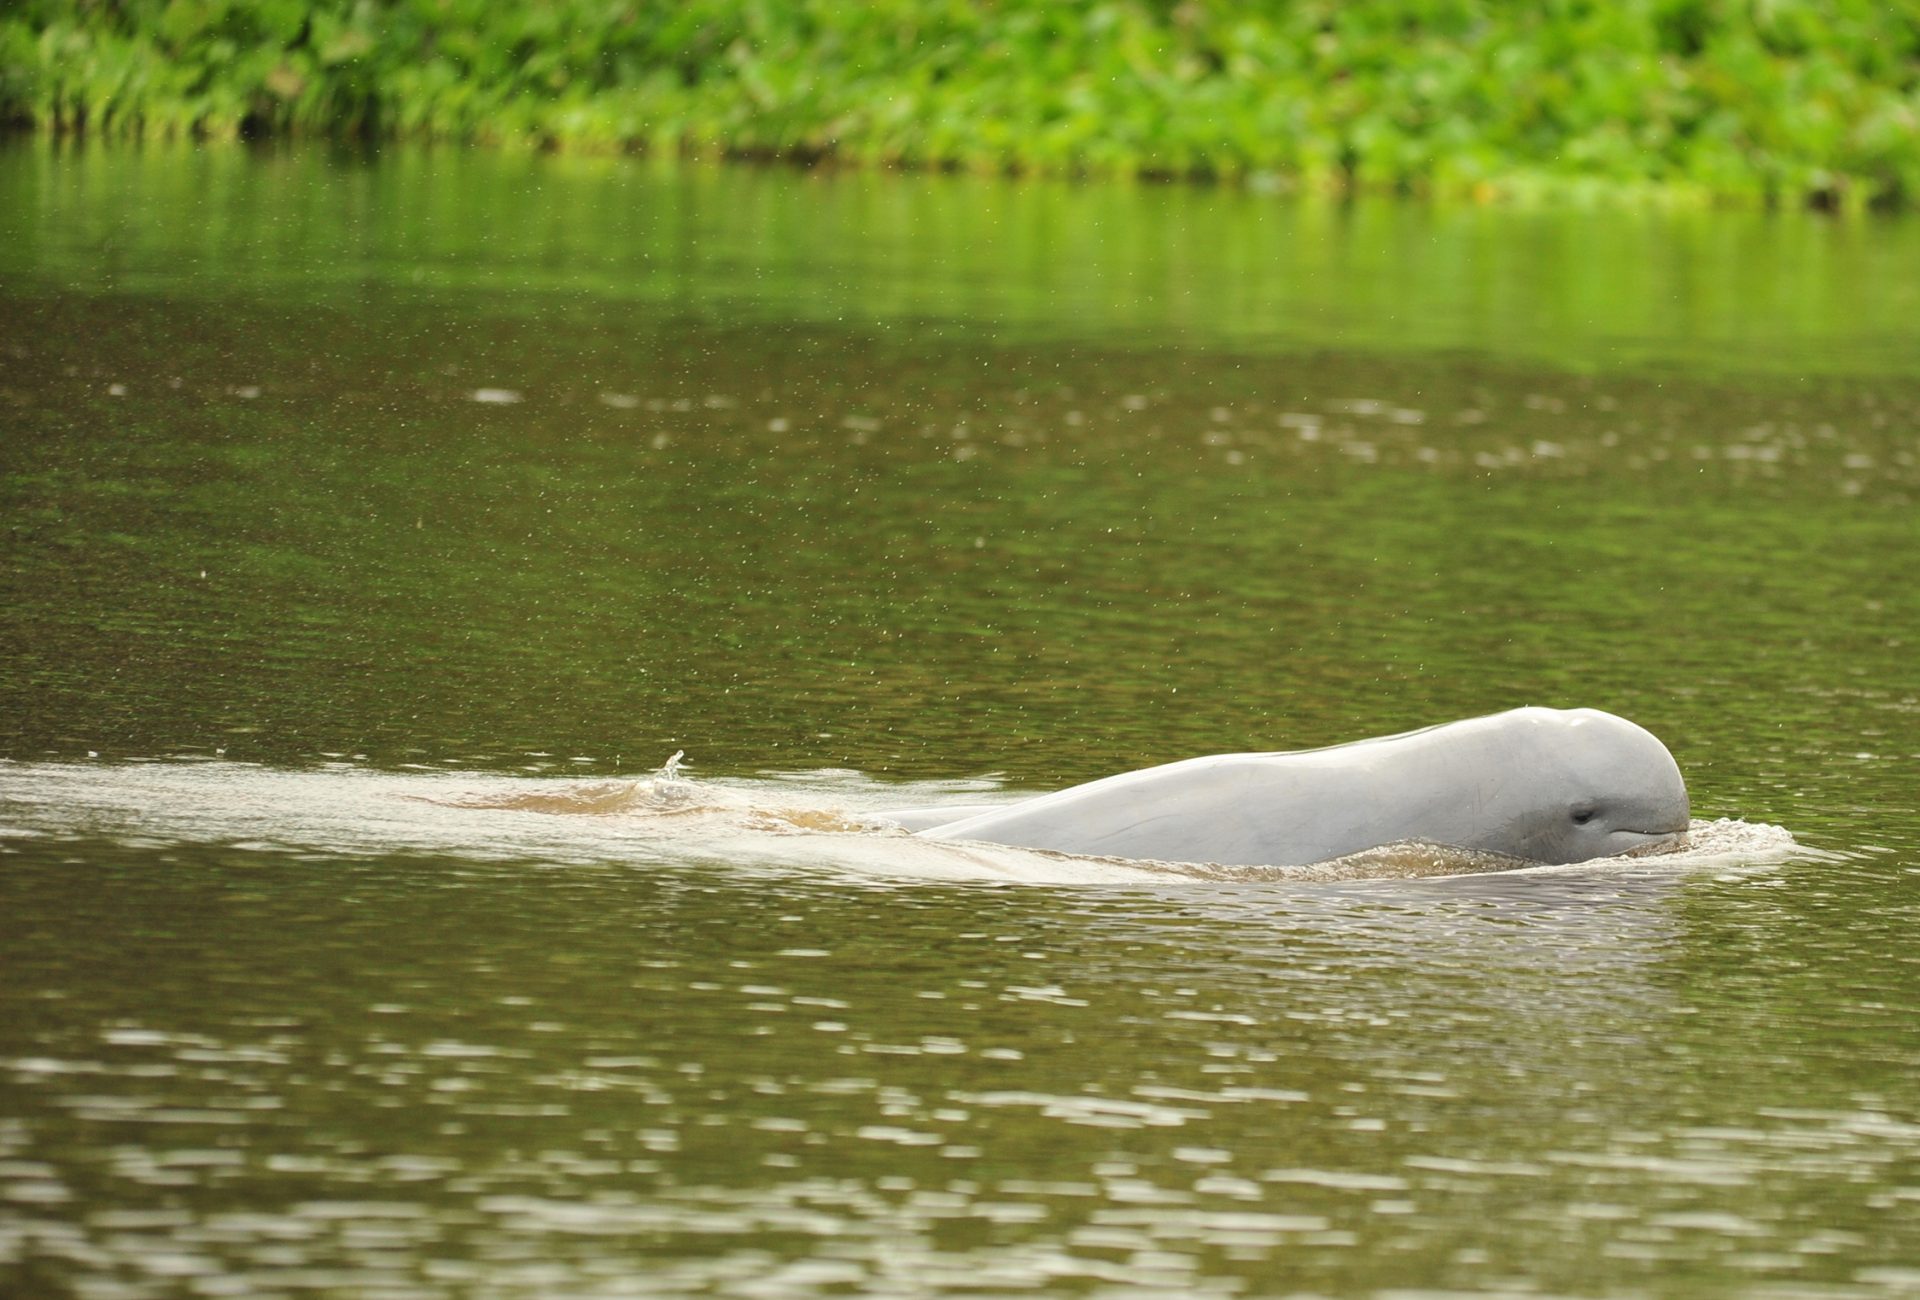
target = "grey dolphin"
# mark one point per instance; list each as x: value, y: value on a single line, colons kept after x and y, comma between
x: 1547, y: 785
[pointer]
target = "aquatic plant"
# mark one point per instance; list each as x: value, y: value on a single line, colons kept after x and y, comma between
x: 1779, y: 101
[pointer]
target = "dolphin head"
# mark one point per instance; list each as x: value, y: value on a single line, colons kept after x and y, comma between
x: 1599, y: 786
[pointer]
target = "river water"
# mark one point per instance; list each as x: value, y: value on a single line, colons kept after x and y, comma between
x: 376, y: 526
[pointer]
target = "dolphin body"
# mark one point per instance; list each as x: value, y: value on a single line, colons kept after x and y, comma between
x: 1545, y: 785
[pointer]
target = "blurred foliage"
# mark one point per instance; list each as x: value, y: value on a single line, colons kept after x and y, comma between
x: 1782, y: 101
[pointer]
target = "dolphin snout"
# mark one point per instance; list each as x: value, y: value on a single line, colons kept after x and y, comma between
x: 1648, y: 843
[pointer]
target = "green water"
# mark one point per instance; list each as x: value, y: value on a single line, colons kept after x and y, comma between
x: 329, y: 483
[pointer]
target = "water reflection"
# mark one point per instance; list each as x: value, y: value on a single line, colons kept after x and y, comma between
x: 243, y: 1072
x: 1145, y: 266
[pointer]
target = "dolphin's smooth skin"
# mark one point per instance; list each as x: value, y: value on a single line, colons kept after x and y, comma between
x: 1544, y: 785
x: 925, y: 819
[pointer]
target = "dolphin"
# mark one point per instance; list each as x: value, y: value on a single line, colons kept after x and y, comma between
x: 1543, y: 785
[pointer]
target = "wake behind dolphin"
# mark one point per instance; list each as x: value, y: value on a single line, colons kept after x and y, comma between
x: 1535, y: 785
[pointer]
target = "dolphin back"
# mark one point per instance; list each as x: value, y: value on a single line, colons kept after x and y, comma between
x: 1276, y: 809
x: 1502, y: 783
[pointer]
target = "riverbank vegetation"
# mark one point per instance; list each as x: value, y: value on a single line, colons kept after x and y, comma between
x: 1754, y: 101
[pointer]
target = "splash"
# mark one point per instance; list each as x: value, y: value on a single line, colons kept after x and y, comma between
x: 666, y: 791
x: 1731, y: 839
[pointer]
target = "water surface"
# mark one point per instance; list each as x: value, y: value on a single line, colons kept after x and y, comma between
x: 330, y: 482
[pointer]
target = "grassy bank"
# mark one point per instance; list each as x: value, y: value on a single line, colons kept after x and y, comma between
x: 1760, y: 101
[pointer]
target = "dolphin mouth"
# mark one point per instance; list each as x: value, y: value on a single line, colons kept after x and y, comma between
x: 1652, y: 842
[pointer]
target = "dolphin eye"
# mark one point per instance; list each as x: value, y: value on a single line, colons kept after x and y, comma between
x: 1582, y: 815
